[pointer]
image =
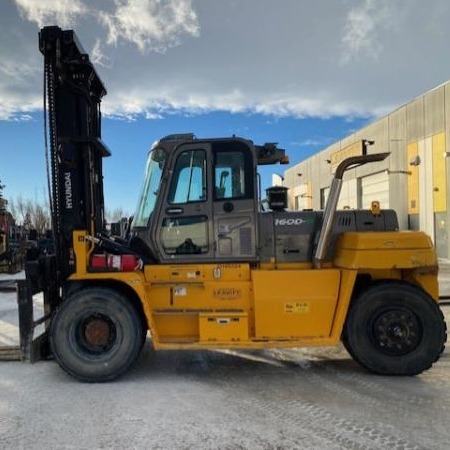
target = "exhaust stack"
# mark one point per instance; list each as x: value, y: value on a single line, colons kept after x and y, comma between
x: 330, y: 208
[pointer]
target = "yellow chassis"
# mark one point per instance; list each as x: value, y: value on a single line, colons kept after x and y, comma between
x: 198, y: 306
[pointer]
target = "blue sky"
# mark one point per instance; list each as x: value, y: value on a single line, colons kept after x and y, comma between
x: 300, y: 137
x: 296, y: 72
x: 23, y: 171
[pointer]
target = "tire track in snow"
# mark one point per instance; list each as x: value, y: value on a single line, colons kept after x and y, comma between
x: 316, y: 420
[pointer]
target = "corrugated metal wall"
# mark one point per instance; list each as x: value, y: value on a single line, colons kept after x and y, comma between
x: 413, y: 180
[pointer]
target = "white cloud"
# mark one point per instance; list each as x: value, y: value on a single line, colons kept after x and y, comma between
x: 151, y: 25
x: 45, y: 12
x: 22, y: 118
x: 313, y: 142
x: 19, y: 70
x: 353, y: 58
x: 362, y: 31
x: 98, y: 56
x: 10, y: 109
x: 152, y: 115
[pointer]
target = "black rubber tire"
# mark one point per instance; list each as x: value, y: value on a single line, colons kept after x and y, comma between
x: 94, y: 362
x: 394, y: 328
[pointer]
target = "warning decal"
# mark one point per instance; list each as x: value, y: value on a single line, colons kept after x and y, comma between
x: 296, y: 307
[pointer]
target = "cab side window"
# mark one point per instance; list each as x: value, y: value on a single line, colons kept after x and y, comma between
x: 232, y: 175
x: 185, y: 235
x: 185, y: 231
x: 189, y: 180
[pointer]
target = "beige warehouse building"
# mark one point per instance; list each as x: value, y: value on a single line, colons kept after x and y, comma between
x: 412, y: 180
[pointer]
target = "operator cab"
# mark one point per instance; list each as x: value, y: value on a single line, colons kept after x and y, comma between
x: 199, y: 199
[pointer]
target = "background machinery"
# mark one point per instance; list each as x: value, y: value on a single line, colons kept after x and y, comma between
x: 11, y: 252
x: 204, y: 266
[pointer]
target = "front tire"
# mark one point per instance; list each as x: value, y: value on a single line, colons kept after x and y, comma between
x: 395, y: 328
x: 96, y: 334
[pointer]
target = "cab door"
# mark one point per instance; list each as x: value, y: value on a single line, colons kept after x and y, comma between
x: 184, y: 226
x: 234, y: 204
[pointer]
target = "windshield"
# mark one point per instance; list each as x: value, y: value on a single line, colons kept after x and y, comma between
x: 150, y: 189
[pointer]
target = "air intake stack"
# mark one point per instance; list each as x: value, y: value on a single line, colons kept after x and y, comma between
x: 277, y: 198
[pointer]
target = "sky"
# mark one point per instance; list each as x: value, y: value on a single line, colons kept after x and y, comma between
x: 301, y: 73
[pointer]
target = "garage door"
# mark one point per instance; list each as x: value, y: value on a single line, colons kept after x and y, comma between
x: 348, y: 198
x: 375, y: 187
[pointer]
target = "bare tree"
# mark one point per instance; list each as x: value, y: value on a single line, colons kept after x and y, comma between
x: 12, y: 207
x: 40, y: 218
x: 3, y: 201
x: 20, y: 209
x: 2, y: 186
x: 116, y: 215
x: 27, y: 225
x: 31, y: 214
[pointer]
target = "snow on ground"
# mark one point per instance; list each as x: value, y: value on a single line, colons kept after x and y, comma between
x: 9, y: 319
x: 12, y: 276
x: 9, y: 332
x: 277, y: 399
x: 272, y: 399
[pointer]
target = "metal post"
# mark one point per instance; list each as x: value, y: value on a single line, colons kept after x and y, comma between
x: 327, y: 224
x: 26, y: 320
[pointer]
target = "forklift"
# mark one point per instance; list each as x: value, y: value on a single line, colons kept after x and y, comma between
x: 204, y: 265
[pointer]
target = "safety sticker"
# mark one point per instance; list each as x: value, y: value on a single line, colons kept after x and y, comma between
x: 296, y: 307
x: 179, y: 291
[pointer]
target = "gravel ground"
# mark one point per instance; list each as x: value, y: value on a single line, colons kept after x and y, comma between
x: 278, y: 399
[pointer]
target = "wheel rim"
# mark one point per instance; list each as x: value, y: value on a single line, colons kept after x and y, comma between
x: 396, y: 332
x: 95, y: 334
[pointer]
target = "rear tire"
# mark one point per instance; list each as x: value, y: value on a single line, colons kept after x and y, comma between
x: 395, y: 328
x: 96, y: 334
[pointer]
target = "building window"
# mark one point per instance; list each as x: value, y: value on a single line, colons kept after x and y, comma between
x: 324, y: 193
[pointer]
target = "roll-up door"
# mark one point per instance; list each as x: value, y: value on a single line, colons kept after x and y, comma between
x: 375, y: 187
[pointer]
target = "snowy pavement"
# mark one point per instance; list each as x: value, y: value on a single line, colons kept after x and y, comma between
x: 273, y: 399
x: 226, y: 400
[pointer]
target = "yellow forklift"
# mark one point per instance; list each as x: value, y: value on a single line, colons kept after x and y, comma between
x: 204, y: 266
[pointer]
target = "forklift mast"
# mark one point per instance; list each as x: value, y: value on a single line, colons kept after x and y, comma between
x: 73, y: 92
